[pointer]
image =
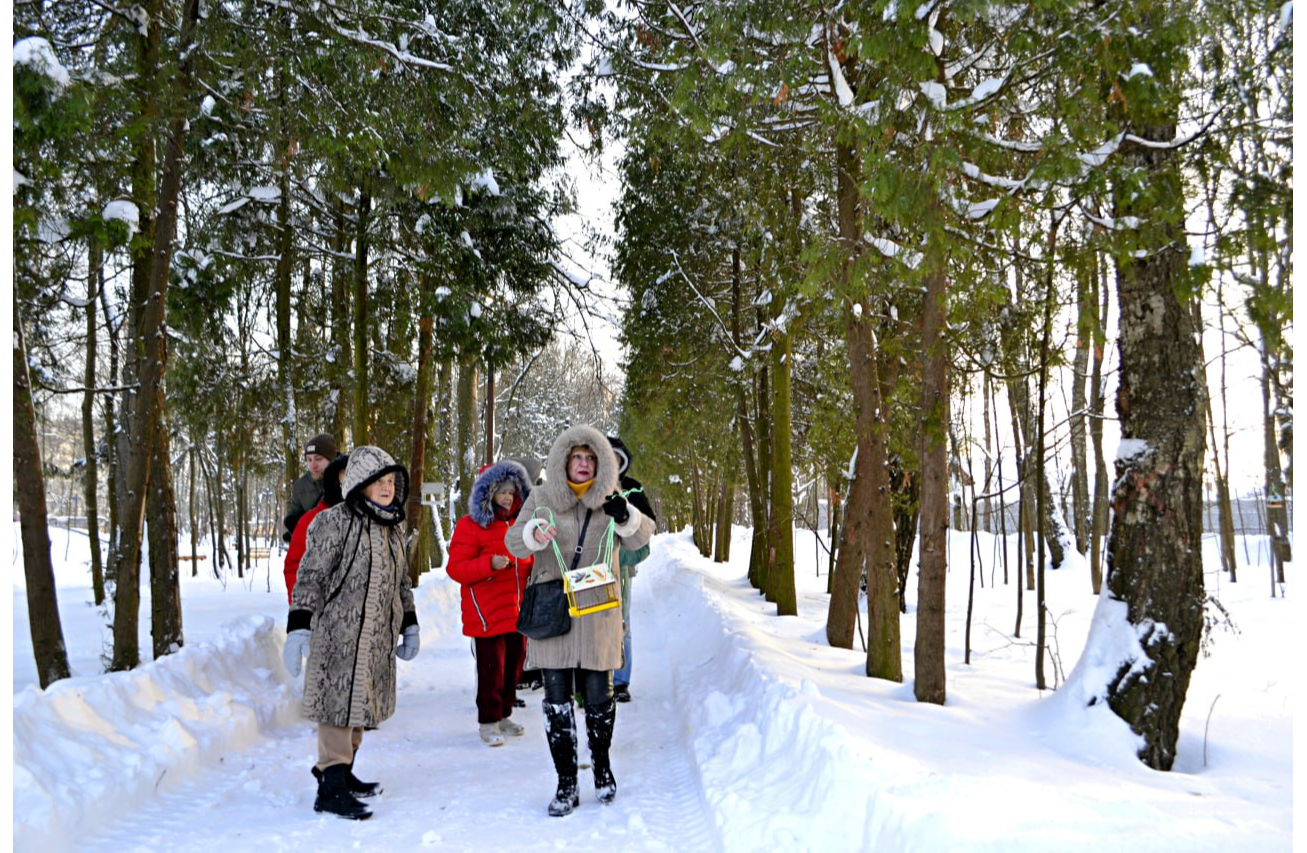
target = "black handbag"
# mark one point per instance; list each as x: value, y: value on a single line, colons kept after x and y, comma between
x: 543, y: 613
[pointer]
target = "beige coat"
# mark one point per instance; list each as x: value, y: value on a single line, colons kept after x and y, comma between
x: 595, y: 641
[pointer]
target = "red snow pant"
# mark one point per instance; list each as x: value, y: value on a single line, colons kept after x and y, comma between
x: 499, y: 666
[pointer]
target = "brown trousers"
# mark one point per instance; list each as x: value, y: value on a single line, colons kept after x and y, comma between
x: 337, y: 744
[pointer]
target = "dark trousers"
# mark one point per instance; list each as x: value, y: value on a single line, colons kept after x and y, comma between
x: 499, y: 665
x: 596, y: 687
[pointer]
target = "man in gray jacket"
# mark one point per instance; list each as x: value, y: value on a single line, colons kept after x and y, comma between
x: 307, y: 490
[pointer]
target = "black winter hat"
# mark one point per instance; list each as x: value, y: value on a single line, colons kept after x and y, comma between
x: 623, y: 455
x: 331, y: 480
x: 322, y: 444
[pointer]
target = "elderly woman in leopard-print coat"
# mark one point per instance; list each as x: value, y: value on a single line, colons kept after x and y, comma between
x: 352, y: 603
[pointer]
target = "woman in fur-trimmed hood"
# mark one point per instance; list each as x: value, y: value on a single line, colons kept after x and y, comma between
x: 580, y: 494
x: 351, y: 604
x: 492, y: 581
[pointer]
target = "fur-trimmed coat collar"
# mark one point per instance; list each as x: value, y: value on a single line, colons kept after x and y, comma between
x: 557, y: 494
x: 480, y: 504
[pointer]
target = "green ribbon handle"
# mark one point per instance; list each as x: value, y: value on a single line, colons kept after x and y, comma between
x: 605, y: 550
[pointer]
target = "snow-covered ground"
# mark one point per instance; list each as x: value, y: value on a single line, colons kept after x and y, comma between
x: 747, y: 731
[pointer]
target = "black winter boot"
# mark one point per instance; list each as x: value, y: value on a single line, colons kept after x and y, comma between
x: 599, y: 720
x: 334, y: 796
x: 353, y: 784
x: 560, y: 729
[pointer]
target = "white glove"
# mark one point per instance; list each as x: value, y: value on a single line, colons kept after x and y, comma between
x: 295, y: 650
x: 408, y: 643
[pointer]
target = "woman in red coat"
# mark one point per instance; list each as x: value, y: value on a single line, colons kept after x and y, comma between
x: 493, y: 581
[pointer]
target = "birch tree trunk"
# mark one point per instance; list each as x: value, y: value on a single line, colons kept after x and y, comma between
x: 1154, y: 554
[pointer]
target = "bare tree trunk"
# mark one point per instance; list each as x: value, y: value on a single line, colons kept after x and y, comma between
x: 465, y: 421
x: 90, y: 480
x: 165, y: 586
x: 285, y: 349
x: 1086, y: 324
x: 111, y: 430
x: 1153, y: 555
x: 418, y: 520
x: 760, y: 556
x: 725, y: 507
x: 362, y: 415
x: 1098, y: 530
x: 444, y: 429
x: 194, y: 517
x: 782, y: 493
x: 150, y: 336
x: 489, y: 454
x: 29, y: 496
x: 338, y: 370
x: 929, y: 680
x: 1277, y: 516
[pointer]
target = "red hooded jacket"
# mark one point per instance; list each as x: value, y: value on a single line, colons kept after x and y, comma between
x: 491, y: 597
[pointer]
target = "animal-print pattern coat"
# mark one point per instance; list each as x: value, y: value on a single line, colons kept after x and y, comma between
x: 354, y: 593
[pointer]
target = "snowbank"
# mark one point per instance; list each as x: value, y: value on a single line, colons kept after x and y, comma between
x: 89, y: 749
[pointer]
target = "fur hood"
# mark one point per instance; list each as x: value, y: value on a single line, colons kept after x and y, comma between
x: 556, y: 492
x: 480, y: 504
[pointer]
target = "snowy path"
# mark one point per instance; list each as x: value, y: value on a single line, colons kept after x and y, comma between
x: 443, y: 787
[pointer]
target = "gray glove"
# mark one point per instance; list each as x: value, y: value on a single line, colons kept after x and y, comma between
x: 295, y: 650
x: 409, y: 643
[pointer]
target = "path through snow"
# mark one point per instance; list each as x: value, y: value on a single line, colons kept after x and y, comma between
x: 443, y: 787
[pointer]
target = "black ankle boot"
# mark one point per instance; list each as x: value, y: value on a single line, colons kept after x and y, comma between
x: 560, y: 729
x: 353, y: 784
x: 334, y: 796
x: 599, y: 721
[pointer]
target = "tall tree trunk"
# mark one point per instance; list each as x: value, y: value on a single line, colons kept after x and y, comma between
x: 338, y: 369
x: 748, y: 454
x: 929, y: 681
x: 489, y: 455
x: 760, y: 556
x: 149, y: 338
x: 1098, y: 530
x: 782, y: 494
x: 1041, y: 444
x: 725, y: 510
x: 1277, y: 515
x: 194, y: 515
x: 465, y: 426
x: 1087, y: 323
x: 165, y: 586
x: 1154, y: 554
x: 417, y: 519
x: 285, y: 349
x: 90, y: 478
x: 362, y: 415
x: 110, y: 430
x: 29, y: 495
x: 444, y: 431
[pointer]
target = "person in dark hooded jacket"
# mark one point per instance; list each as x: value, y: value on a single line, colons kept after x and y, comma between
x: 332, y: 478
x: 629, y: 561
x: 492, y: 582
